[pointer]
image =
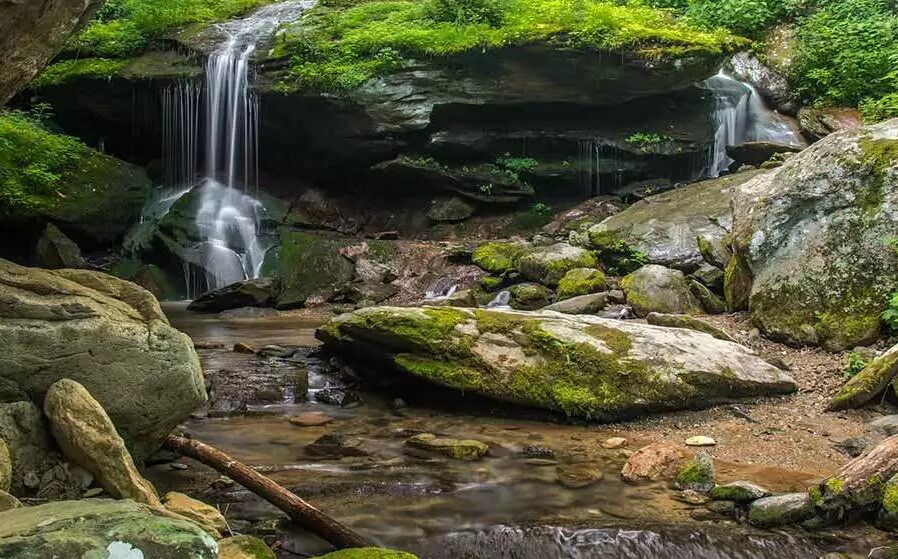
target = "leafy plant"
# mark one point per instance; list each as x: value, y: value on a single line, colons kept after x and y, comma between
x: 486, y: 188
x: 466, y: 12
x: 856, y: 363
x: 647, y: 139
x: 890, y: 315
x: 516, y: 165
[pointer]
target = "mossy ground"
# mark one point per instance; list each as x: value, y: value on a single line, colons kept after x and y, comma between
x: 344, y: 43
x: 367, y: 553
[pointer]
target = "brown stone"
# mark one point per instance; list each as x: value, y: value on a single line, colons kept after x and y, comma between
x: 311, y: 419
x: 654, y: 462
x: 242, y: 347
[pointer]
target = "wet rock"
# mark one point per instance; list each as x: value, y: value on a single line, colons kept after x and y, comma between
x: 739, y: 491
x: 689, y: 322
x: 540, y: 462
x: 780, y: 510
x: 309, y: 265
x: 655, y: 288
x: 450, y: 209
x: 580, y: 281
x: 206, y: 516
x: 207, y: 344
x: 698, y: 474
x: 529, y: 296
x: 657, y: 461
x: 534, y: 451
x: 109, y: 335
x: 87, y: 437
x: 276, y: 351
x: 100, y: 528
x: 854, y: 446
x: 236, y: 391
x: 340, y: 397
x: 243, y: 347
x: 614, y: 443
x: 769, y: 82
x: 55, y: 250
x: 458, y: 449
x: 364, y: 294
x: 584, y: 304
x: 819, y: 122
x: 571, y: 363
x: 691, y: 497
x: 262, y: 292
x: 336, y: 445
x: 729, y: 509
x: 577, y: 476
x: 700, y: 440
x: 244, y: 547
x: 886, y: 425
x: 311, y: 419
x: 756, y: 153
x: 25, y: 433
x: 548, y: 265
x: 367, y: 553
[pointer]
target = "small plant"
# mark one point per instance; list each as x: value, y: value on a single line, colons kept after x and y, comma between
x: 41, y: 112
x: 890, y: 315
x: 516, y: 165
x: 856, y: 363
x: 541, y: 210
x: 487, y: 189
x: 466, y: 12
x: 646, y: 139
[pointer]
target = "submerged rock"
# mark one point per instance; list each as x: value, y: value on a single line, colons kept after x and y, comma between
x: 577, y: 364
x: 458, y: 449
x: 654, y: 288
x: 108, y: 335
x: 100, y: 528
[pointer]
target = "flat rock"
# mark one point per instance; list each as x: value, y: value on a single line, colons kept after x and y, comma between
x: 458, y: 449
x: 206, y: 516
x: 700, y: 440
x: 262, y: 292
x: 311, y: 419
x: 686, y: 321
x: 614, y: 442
x: 585, y: 304
x: 780, y: 510
x: 739, y: 491
x: 581, y: 365
x: 655, y: 462
x: 336, y: 445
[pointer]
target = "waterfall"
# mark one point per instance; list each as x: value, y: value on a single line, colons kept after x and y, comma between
x: 501, y: 300
x: 228, y: 214
x: 741, y: 115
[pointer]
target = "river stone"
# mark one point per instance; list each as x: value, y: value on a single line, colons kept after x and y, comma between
x: 529, y: 296
x: 458, y: 449
x: 367, y: 553
x: 23, y: 429
x: 812, y: 234
x: 499, y: 257
x: 672, y: 228
x: 548, y: 265
x: 780, y: 510
x: 689, y: 322
x: 580, y: 281
x: 700, y: 440
x: 262, y: 292
x: 100, y: 528
x: 581, y: 365
x: 87, y: 437
x: 584, y: 304
x: 697, y: 475
x: 654, y: 288
x: 450, y: 209
x: 107, y: 334
x: 244, y: 547
x: 654, y: 462
x: 739, y: 491
x: 55, y: 250
x: 206, y: 516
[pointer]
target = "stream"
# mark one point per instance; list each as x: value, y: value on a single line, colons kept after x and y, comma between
x: 507, y: 505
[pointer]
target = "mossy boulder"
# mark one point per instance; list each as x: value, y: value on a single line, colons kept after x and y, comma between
x: 367, y: 553
x: 307, y: 264
x: 654, y: 288
x: 739, y: 492
x: 580, y: 365
x: 814, y: 235
x: 498, y: 257
x: 580, y: 281
x: 888, y: 510
x: 244, y: 547
x: 868, y: 383
x: 100, y: 528
x: 548, y: 265
x: 529, y: 296
x: 697, y: 474
x: 780, y: 510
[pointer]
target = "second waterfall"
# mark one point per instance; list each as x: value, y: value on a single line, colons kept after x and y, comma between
x: 228, y: 213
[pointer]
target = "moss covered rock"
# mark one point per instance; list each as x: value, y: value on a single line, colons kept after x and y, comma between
x: 888, y: 510
x: 458, y: 449
x: 686, y: 321
x: 814, y: 235
x: 868, y: 383
x: 739, y: 492
x: 780, y: 510
x: 697, y: 474
x: 577, y: 364
x: 529, y: 296
x: 654, y: 288
x: 100, y: 528
x: 367, y: 553
x: 307, y: 265
x: 244, y: 547
x: 498, y: 258
x: 548, y: 265
x: 580, y: 281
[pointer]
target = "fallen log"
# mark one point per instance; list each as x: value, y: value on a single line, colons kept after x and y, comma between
x: 867, y: 384
x: 302, y: 513
x: 858, y: 487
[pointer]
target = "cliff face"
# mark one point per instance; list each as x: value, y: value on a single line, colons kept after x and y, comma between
x: 31, y: 33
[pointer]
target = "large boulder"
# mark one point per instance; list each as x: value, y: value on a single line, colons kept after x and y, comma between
x: 107, y: 334
x: 55, y: 250
x: 577, y: 364
x: 548, y: 265
x: 654, y: 288
x: 814, y: 236
x: 100, y: 528
x: 308, y: 265
x: 31, y: 33
x: 260, y: 292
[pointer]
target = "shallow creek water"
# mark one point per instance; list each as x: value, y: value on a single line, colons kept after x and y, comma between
x: 504, y: 506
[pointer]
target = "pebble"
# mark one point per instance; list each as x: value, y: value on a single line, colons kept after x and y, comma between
x: 178, y: 466
x: 242, y: 347
x: 691, y: 497
x: 222, y: 483
x: 534, y: 451
x: 93, y: 492
x: 615, y: 442
x: 700, y: 441
x: 311, y: 419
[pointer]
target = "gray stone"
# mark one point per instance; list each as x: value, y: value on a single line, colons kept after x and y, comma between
x: 529, y: 296
x: 584, y: 304
x: 886, y: 425
x: 709, y: 276
x: 697, y: 475
x: 819, y: 122
x: 262, y: 292
x: 548, y: 265
x: 758, y: 153
x: 450, y: 209
x: 739, y: 491
x: 686, y: 321
x: 654, y: 288
x: 55, y: 250
x: 780, y: 510
x: 27, y: 439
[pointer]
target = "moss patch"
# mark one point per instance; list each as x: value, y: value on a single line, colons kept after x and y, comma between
x: 580, y: 281
x: 498, y: 258
x: 367, y: 553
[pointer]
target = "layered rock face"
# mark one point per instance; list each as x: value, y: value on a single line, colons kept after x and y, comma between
x: 107, y: 334
x: 581, y: 365
x: 31, y: 33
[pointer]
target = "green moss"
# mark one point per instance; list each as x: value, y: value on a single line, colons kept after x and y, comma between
x: 448, y: 374
x: 367, y: 553
x: 697, y: 474
x: 737, y: 280
x: 498, y: 258
x: 816, y: 496
x: 834, y: 485
x: 615, y: 254
x: 491, y: 283
x: 250, y: 547
x: 549, y: 265
x: 580, y: 281
x: 66, y: 70
x: 890, y: 497
x: 529, y: 296
x: 342, y: 45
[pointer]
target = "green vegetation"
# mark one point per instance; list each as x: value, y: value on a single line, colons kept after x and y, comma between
x: 890, y: 315
x: 78, y: 68
x: 516, y: 165
x: 856, y: 363
x: 580, y: 281
x: 615, y: 254
x: 344, y: 43
x: 498, y: 258
x: 645, y: 140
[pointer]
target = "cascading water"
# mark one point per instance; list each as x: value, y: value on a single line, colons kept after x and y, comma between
x: 740, y: 116
x: 228, y: 216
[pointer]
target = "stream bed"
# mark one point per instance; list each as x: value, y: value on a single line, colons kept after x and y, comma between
x: 546, y: 489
